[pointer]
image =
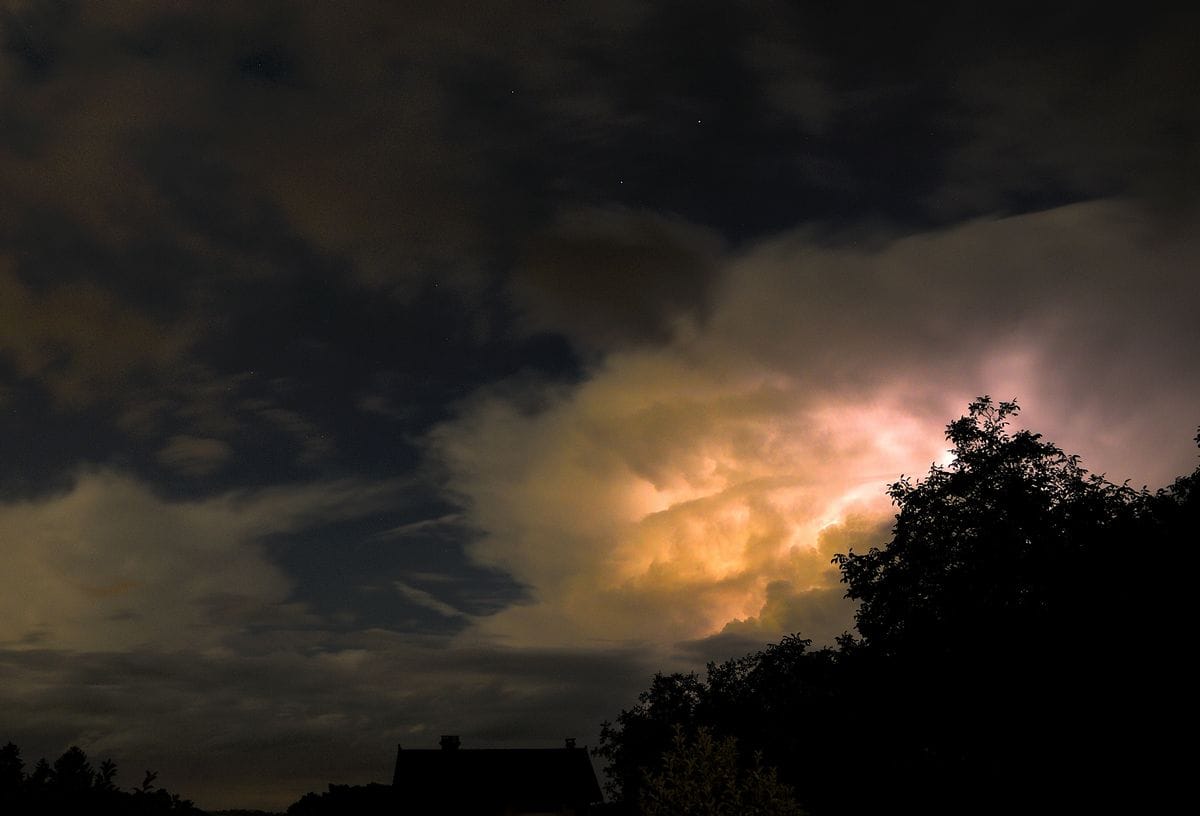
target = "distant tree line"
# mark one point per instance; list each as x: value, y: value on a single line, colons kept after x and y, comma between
x: 73, y: 785
x: 363, y: 800
x: 1020, y: 648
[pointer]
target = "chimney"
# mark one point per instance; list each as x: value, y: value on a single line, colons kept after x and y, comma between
x: 450, y: 742
x: 570, y: 743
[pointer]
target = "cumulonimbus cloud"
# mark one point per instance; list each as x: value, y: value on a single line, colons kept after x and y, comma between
x: 703, y: 485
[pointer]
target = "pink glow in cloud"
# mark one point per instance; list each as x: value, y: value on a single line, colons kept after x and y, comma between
x: 705, y: 484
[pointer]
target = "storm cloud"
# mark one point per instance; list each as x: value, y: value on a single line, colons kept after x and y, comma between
x: 702, y: 484
x: 378, y: 371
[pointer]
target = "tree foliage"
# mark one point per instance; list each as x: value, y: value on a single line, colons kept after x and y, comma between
x: 704, y: 776
x: 759, y: 699
x: 72, y: 785
x: 1011, y: 534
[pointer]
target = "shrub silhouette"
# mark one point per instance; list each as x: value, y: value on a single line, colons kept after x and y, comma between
x: 703, y: 776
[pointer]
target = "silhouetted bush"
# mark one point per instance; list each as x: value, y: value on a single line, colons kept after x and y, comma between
x: 702, y: 776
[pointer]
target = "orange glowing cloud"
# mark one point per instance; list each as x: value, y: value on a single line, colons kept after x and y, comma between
x: 663, y: 507
x: 703, y: 485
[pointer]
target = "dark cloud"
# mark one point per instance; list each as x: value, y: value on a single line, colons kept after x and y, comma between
x: 1097, y: 105
x: 611, y: 278
x: 414, y: 576
x: 78, y: 340
x: 418, y: 142
x: 30, y: 36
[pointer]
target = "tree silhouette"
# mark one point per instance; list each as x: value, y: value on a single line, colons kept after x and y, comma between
x: 41, y: 774
x: 12, y: 767
x: 12, y: 777
x: 1007, y: 535
x: 1017, y: 650
x: 103, y: 780
x: 993, y: 620
x: 72, y: 773
x: 72, y: 785
x: 772, y: 702
x: 635, y: 743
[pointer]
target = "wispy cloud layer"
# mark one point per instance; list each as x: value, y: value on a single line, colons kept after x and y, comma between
x: 110, y: 566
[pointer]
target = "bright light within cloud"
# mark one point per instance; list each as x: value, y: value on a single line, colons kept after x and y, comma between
x: 669, y: 518
x: 704, y: 485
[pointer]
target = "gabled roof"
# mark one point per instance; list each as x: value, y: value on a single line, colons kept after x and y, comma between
x: 535, y: 778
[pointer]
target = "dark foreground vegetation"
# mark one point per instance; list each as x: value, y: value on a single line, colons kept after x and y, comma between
x: 1019, y: 649
x: 72, y: 785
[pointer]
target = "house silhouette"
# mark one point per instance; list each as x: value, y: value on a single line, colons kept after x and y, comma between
x: 494, y: 781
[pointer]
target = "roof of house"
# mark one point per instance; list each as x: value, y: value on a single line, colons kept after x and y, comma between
x: 546, y: 777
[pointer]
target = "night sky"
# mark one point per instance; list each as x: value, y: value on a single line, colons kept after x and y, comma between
x: 374, y: 371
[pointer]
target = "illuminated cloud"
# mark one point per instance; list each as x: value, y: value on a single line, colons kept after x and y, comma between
x: 425, y: 599
x: 659, y: 501
x: 704, y: 484
x: 109, y: 566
